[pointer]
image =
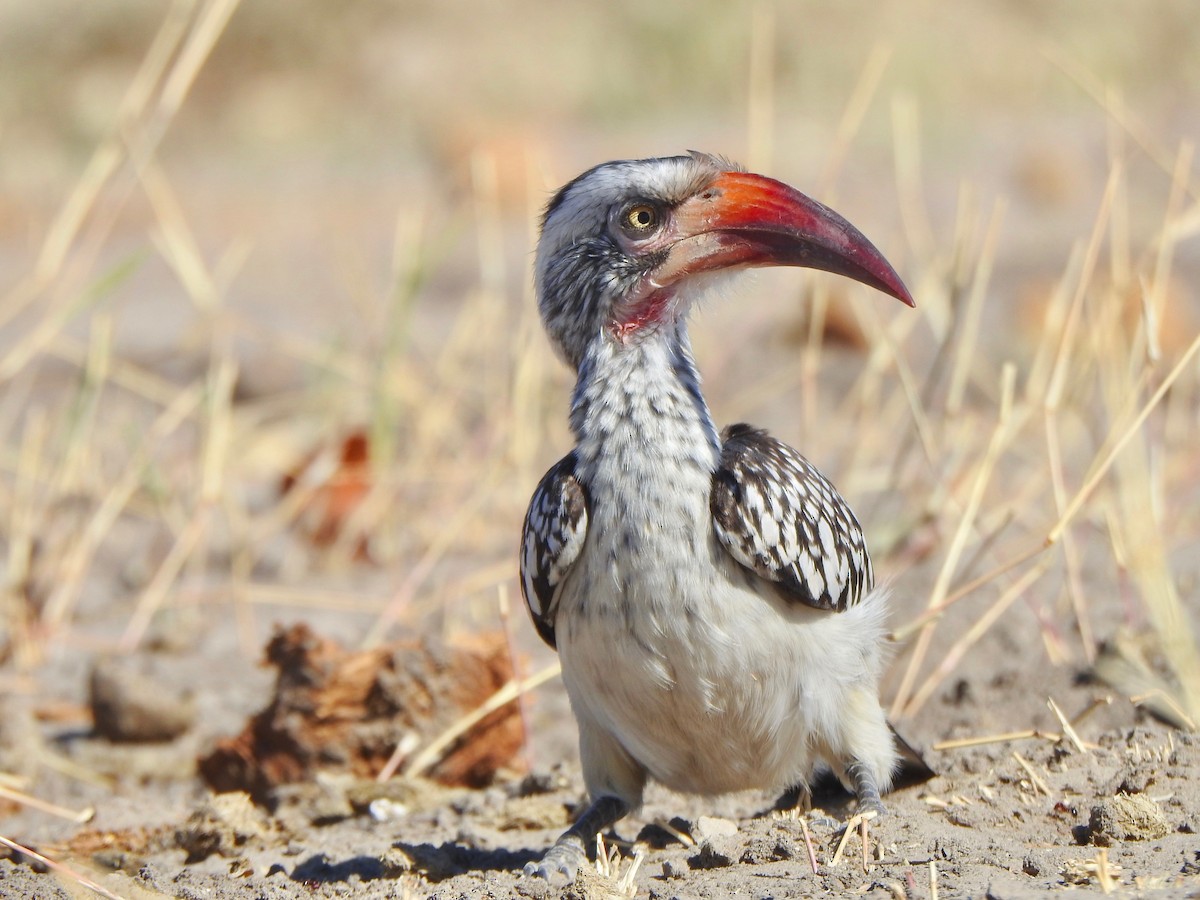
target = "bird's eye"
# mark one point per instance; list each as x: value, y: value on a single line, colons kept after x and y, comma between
x: 640, y: 219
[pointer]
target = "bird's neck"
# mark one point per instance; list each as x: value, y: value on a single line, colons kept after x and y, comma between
x: 639, y: 406
x: 645, y: 452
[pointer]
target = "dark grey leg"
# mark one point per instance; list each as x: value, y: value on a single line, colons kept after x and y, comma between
x: 570, y: 851
x: 865, y: 788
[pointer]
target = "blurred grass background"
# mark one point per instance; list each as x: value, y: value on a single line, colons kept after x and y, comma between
x: 234, y: 236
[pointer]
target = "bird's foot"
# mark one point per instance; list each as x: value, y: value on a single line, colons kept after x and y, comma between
x: 563, y: 859
x: 568, y: 852
x: 870, y: 807
x: 820, y: 819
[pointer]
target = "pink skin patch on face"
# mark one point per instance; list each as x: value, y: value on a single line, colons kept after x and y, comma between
x: 649, y: 311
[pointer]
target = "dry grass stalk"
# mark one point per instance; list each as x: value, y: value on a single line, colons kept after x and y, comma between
x: 1066, y: 345
x: 155, y: 593
x: 66, y: 258
x: 424, y: 567
x: 1068, y: 729
x: 152, y: 101
x: 1070, y: 552
x: 682, y: 835
x: 1034, y: 778
x: 1103, y: 875
x: 974, y: 633
x: 965, y: 351
x: 983, y: 740
x: 853, y: 824
x: 983, y: 472
x: 72, y: 568
x: 933, y: 613
x: 1086, y: 712
x: 59, y: 868
x: 1147, y: 555
x: 304, y: 597
x: 518, y: 671
x: 64, y: 765
x: 808, y: 846
x: 432, y: 753
x: 853, y: 114
x: 1118, y: 439
x: 609, y: 866
x: 1164, y: 704
x: 864, y: 834
x: 104, y: 162
x: 24, y: 518
x: 1115, y: 110
x: 79, y: 816
x: 906, y: 153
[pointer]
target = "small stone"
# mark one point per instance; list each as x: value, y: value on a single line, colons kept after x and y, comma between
x: 130, y: 704
x: 716, y: 853
x: 770, y: 849
x: 713, y: 826
x: 328, y: 804
x: 960, y: 817
x: 384, y: 810
x: 1031, y: 866
x: 671, y: 869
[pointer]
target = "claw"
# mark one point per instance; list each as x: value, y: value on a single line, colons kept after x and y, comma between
x: 871, y: 805
x: 545, y: 872
x: 564, y: 858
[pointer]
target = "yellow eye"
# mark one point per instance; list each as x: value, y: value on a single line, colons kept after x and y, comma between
x: 641, y: 218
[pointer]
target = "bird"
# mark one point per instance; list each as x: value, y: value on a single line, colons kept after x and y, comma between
x: 709, y: 594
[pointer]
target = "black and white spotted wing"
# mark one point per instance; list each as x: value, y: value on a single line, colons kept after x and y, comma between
x: 555, y: 528
x: 779, y: 517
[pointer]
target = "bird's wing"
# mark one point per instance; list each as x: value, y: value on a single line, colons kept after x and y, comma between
x: 555, y: 527
x: 779, y: 517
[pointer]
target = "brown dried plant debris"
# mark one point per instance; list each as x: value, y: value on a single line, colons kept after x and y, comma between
x: 122, y: 850
x: 345, y: 711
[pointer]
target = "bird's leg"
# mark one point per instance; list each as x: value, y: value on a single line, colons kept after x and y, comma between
x: 570, y: 850
x: 865, y: 787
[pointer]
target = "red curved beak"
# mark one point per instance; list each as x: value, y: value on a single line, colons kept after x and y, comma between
x: 743, y: 220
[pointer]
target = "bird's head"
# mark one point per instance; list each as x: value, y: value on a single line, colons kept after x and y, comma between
x: 626, y: 246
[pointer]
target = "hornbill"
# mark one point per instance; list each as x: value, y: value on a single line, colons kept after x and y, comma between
x: 710, y: 595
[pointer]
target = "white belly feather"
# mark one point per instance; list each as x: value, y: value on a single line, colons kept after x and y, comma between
x: 719, y: 692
